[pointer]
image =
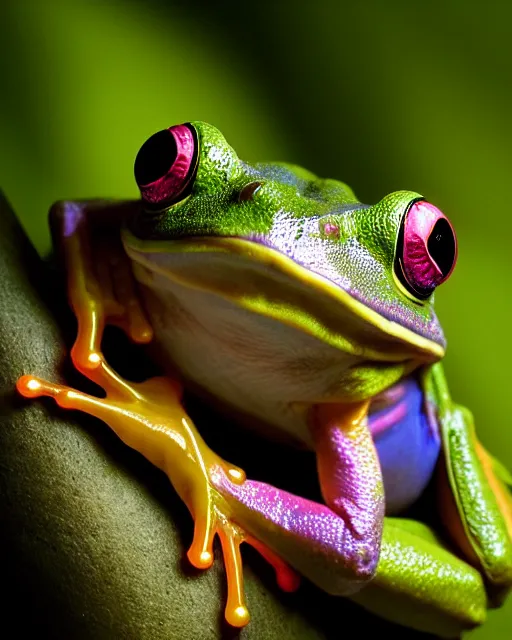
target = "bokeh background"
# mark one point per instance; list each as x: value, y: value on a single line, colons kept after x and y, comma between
x: 383, y: 95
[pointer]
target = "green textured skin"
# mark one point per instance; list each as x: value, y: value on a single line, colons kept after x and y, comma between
x: 212, y: 209
x: 481, y: 516
x: 362, y: 254
x: 408, y: 587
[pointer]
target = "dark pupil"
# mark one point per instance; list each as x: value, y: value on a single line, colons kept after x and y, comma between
x: 155, y: 157
x: 441, y: 245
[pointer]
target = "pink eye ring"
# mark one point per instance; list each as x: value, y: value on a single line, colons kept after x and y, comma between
x: 165, y: 164
x: 427, y: 249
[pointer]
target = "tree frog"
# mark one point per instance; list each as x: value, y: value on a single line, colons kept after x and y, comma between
x: 308, y: 316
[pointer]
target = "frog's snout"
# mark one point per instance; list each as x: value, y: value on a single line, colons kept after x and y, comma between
x: 165, y: 164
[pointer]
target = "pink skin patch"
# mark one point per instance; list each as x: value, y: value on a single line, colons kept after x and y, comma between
x: 331, y: 230
x: 420, y: 268
x: 174, y: 180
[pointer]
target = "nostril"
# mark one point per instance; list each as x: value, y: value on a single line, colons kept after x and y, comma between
x: 155, y: 158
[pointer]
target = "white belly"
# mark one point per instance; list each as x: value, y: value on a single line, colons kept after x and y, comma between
x: 260, y: 367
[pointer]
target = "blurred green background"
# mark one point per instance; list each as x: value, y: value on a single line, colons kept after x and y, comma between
x: 383, y: 95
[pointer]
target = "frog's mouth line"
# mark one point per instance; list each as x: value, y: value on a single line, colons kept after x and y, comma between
x: 269, y: 283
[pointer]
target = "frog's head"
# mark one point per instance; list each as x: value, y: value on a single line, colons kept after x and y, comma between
x: 381, y: 262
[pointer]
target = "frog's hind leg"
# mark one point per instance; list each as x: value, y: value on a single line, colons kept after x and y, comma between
x: 500, y: 481
x: 474, y: 498
x: 420, y: 584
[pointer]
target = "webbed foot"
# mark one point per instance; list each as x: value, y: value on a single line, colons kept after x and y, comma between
x: 149, y: 417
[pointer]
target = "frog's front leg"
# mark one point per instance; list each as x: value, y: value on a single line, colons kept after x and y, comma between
x: 417, y: 582
x: 335, y: 545
x: 147, y: 416
x: 101, y: 287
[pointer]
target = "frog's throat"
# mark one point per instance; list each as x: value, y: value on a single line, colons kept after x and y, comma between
x: 392, y: 342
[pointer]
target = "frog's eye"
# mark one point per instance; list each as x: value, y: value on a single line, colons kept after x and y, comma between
x: 427, y: 249
x: 165, y: 165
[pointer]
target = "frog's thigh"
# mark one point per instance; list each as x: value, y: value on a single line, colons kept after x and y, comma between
x: 420, y: 584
